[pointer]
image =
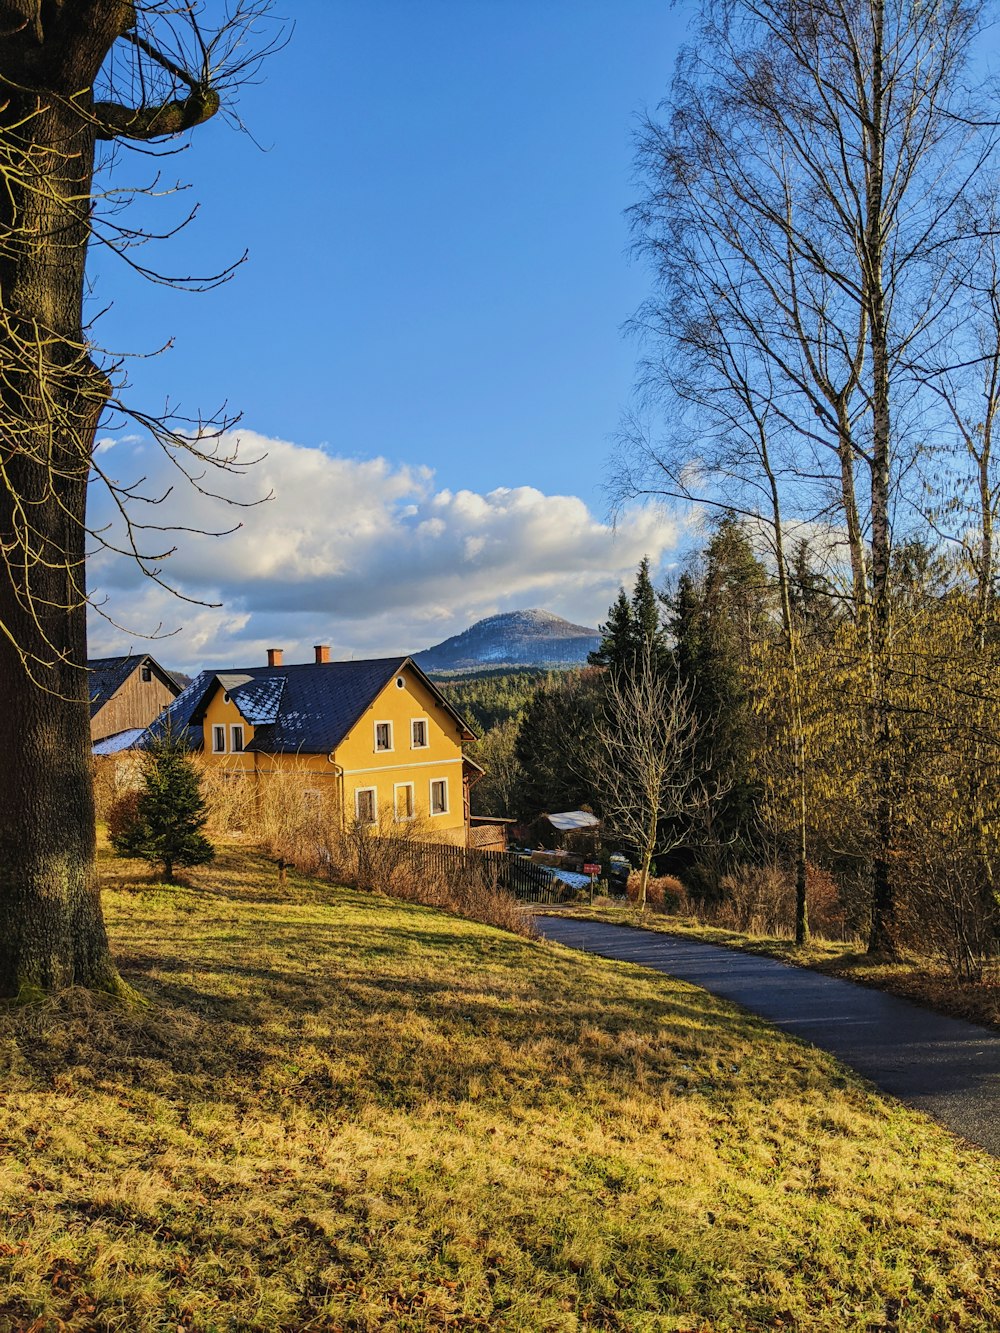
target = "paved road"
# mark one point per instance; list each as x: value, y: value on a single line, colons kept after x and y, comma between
x: 943, y: 1066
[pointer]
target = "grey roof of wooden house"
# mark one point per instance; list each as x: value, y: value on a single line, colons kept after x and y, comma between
x: 307, y: 708
x: 571, y: 821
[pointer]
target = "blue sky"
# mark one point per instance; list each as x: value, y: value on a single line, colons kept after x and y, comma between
x: 438, y: 276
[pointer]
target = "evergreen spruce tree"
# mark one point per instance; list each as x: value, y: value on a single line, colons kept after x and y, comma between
x: 719, y: 611
x: 646, y: 611
x: 631, y: 624
x: 814, y: 601
x: 556, y: 743
x: 170, y: 812
x: 617, y: 646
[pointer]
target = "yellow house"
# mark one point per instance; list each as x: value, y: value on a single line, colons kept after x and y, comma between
x: 376, y: 736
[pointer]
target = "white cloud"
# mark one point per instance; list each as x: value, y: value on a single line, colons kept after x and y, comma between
x: 359, y: 553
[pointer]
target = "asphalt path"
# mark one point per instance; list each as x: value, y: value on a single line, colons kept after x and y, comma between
x: 942, y: 1066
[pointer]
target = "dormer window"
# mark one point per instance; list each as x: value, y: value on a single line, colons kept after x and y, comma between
x: 218, y: 740
x: 383, y: 735
x: 418, y: 734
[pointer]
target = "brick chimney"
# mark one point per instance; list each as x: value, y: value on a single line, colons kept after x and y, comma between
x: 274, y: 656
x: 322, y: 651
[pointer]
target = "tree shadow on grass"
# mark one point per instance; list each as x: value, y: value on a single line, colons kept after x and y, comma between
x: 400, y: 1039
x: 394, y: 1005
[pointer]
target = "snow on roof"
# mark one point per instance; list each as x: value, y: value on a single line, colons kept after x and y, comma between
x: 258, y: 700
x: 124, y: 740
x: 573, y: 819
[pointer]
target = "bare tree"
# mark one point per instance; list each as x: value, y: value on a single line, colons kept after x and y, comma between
x: 497, y: 791
x: 79, y: 79
x: 728, y: 391
x: 809, y: 183
x: 966, y: 495
x: 651, y: 786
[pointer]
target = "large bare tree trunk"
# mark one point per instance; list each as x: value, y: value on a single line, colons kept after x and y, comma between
x: 51, y: 928
x: 51, y: 397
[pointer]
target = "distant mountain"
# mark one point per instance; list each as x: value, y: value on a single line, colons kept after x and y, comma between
x: 514, y: 638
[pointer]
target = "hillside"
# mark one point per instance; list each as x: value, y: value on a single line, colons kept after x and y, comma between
x: 513, y: 638
x: 343, y: 1111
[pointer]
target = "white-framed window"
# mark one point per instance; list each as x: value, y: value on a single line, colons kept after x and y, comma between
x: 418, y: 734
x: 236, y: 738
x: 402, y: 799
x: 366, y: 805
x: 439, y: 796
x: 218, y: 740
x: 383, y: 736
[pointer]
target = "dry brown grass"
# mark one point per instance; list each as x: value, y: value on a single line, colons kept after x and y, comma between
x: 341, y: 1111
x: 287, y: 818
x: 398, y: 859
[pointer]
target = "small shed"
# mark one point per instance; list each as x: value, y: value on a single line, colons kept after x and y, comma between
x: 578, y: 833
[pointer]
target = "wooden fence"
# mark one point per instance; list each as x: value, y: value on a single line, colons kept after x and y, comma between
x: 516, y: 874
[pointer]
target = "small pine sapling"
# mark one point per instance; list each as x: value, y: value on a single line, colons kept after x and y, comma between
x: 169, y: 812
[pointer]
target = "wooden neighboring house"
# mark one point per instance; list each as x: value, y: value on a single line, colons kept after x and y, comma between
x: 127, y: 694
x: 376, y: 737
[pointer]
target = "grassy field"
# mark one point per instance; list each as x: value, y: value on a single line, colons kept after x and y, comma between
x: 922, y: 980
x: 340, y: 1112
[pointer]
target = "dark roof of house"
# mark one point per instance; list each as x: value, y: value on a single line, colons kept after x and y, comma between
x: 109, y: 674
x: 308, y: 708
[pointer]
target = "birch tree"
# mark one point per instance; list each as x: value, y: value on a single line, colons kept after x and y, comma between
x: 805, y: 189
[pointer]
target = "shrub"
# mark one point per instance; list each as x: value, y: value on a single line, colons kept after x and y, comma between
x: 827, y: 914
x: 115, y: 776
x: 948, y: 909
x: 121, y: 814
x: 760, y: 900
x: 757, y: 900
x: 288, y: 815
x: 398, y: 858
x: 664, y: 892
x: 703, y: 881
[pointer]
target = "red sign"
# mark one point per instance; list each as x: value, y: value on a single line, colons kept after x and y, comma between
x: 590, y: 869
